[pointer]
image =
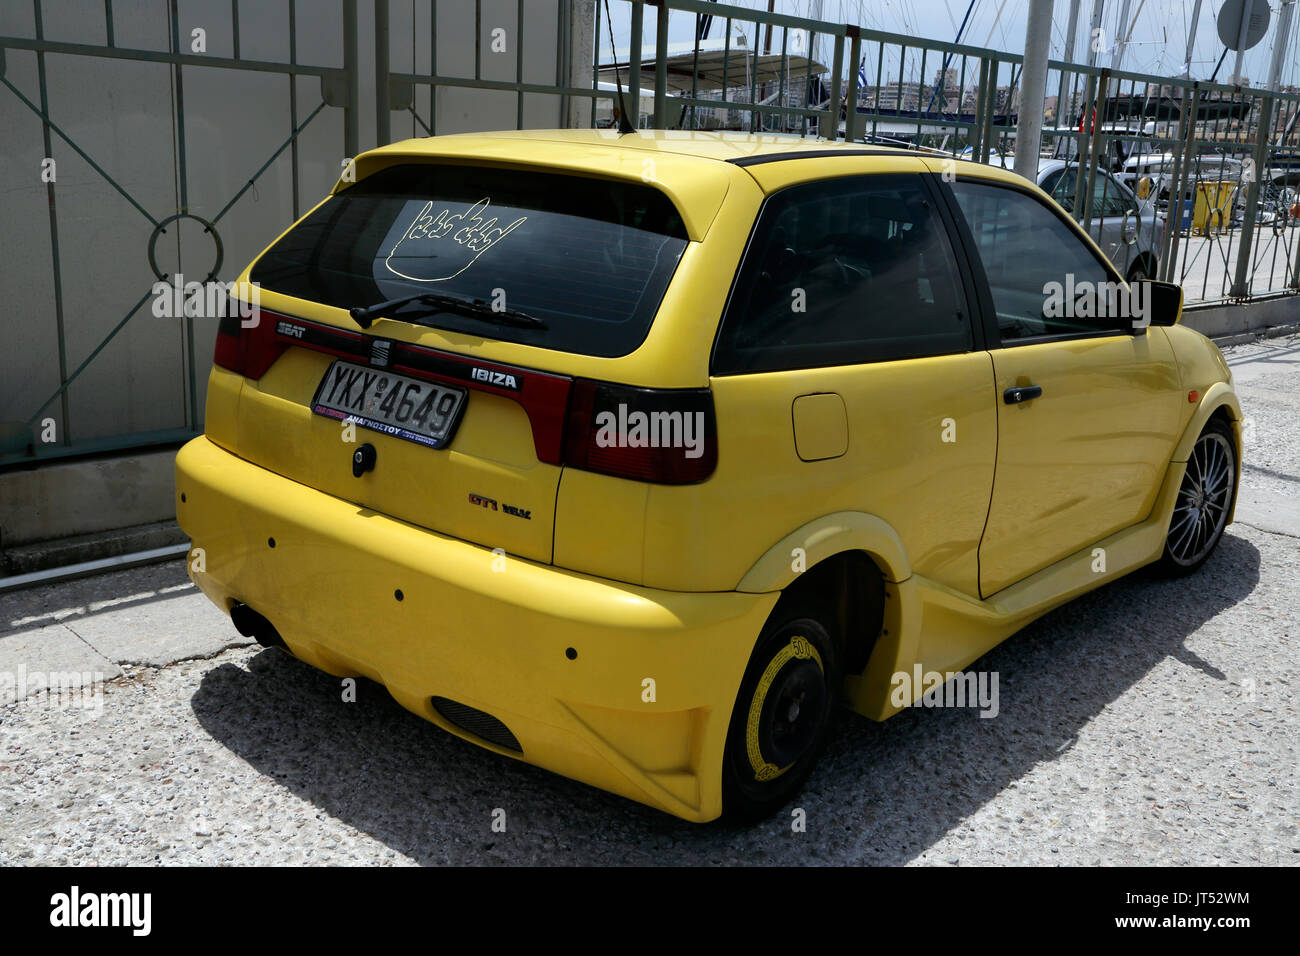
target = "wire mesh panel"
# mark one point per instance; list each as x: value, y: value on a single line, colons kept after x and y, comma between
x: 151, y: 150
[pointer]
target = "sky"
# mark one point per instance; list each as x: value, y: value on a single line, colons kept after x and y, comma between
x: 1158, y: 39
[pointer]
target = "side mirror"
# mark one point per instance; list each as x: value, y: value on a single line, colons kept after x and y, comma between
x: 1155, y: 303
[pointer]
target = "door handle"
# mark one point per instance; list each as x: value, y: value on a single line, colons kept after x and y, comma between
x: 1022, y: 393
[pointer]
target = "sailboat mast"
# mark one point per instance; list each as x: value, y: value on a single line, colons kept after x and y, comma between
x: 1118, y: 56
x: 1191, y: 38
x: 1094, y: 32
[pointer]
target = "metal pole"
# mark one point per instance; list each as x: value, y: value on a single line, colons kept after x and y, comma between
x: 1083, y: 148
x: 830, y: 123
x: 1089, y: 176
x: 1191, y: 38
x: 661, y: 67
x: 351, y: 133
x: 564, y: 58
x: 1093, y: 30
x: 1071, y: 33
x: 1174, y: 213
x: 1033, y: 88
x: 1241, y: 282
x: 817, y: 46
x: 634, y: 65
x: 990, y: 108
x: 64, y: 424
x: 1281, y: 39
x: 1247, y: 9
x: 851, y: 109
x: 1118, y: 56
x: 383, y: 118
x: 1068, y: 55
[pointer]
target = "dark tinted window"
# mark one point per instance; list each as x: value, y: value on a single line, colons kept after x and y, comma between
x: 841, y: 272
x: 590, y: 257
x: 1037, y: 266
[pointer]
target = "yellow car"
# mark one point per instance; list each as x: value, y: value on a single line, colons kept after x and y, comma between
x: 630, y: 456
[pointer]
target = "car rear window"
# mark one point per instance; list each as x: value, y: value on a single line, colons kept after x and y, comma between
x: 590, y: 257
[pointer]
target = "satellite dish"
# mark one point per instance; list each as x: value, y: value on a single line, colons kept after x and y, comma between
x: 1230, y: 15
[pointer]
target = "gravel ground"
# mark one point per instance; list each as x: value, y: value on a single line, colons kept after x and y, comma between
x: 1266, y: 378
x: 1149, y: 722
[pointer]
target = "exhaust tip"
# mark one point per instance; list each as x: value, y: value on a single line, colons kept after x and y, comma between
x: 251, y: 624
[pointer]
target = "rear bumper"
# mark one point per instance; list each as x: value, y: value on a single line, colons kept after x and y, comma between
x: 489, y: 631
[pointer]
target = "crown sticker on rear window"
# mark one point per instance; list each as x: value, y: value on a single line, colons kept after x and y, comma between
x: 443, y: 244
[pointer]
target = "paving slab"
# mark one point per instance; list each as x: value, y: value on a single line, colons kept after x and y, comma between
x: 49, y: 659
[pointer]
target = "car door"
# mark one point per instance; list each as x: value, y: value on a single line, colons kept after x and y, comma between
x: 1114, y: 221
x: 849, y: 374
x: 1088, y: 410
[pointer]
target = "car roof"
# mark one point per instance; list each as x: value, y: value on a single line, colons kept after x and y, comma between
x: 715, y: 145
x: 1051, y: 164
x: 695, y: 168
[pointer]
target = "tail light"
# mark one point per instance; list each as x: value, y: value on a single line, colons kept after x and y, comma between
x: 248, y: 350
x: 667, y: 436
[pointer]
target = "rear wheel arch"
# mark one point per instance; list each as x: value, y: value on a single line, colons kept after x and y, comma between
x: 823, y: 538
x: 847, y: 593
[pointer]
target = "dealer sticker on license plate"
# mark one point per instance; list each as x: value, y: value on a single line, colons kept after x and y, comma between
x: 408, y: 408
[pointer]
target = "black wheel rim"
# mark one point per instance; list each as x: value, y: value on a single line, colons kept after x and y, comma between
x: 1201, y: 510
x: 792, y: 713
x: 786, y: 711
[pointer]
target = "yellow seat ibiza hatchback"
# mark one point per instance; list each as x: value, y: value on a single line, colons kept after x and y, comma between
x: 632, y: 456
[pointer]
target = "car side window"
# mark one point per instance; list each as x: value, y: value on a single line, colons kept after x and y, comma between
x: 1043, y: 278
x: 842, y: 272
x: 1060, y: 186
x: 1108, y: 197
x: 1121, y: 200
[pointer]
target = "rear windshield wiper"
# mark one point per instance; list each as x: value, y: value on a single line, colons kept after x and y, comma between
x: 463, y: 305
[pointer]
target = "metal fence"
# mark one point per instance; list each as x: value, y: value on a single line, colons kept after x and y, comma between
x: 1189, y: 181
x: 1192, y: 182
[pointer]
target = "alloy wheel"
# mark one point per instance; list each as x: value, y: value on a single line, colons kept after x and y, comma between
x: 1201, y: 511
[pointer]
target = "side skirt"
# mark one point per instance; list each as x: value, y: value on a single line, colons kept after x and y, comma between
x: 943, y: 630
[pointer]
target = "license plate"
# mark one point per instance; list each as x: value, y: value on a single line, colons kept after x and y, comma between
x: 407, y: 408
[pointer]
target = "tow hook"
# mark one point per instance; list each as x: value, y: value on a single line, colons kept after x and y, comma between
x: 363, y: 460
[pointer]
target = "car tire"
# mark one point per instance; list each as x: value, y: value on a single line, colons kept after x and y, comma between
x: 1204, y: 500
x: 1137, y: 271
x: 779, y: 723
